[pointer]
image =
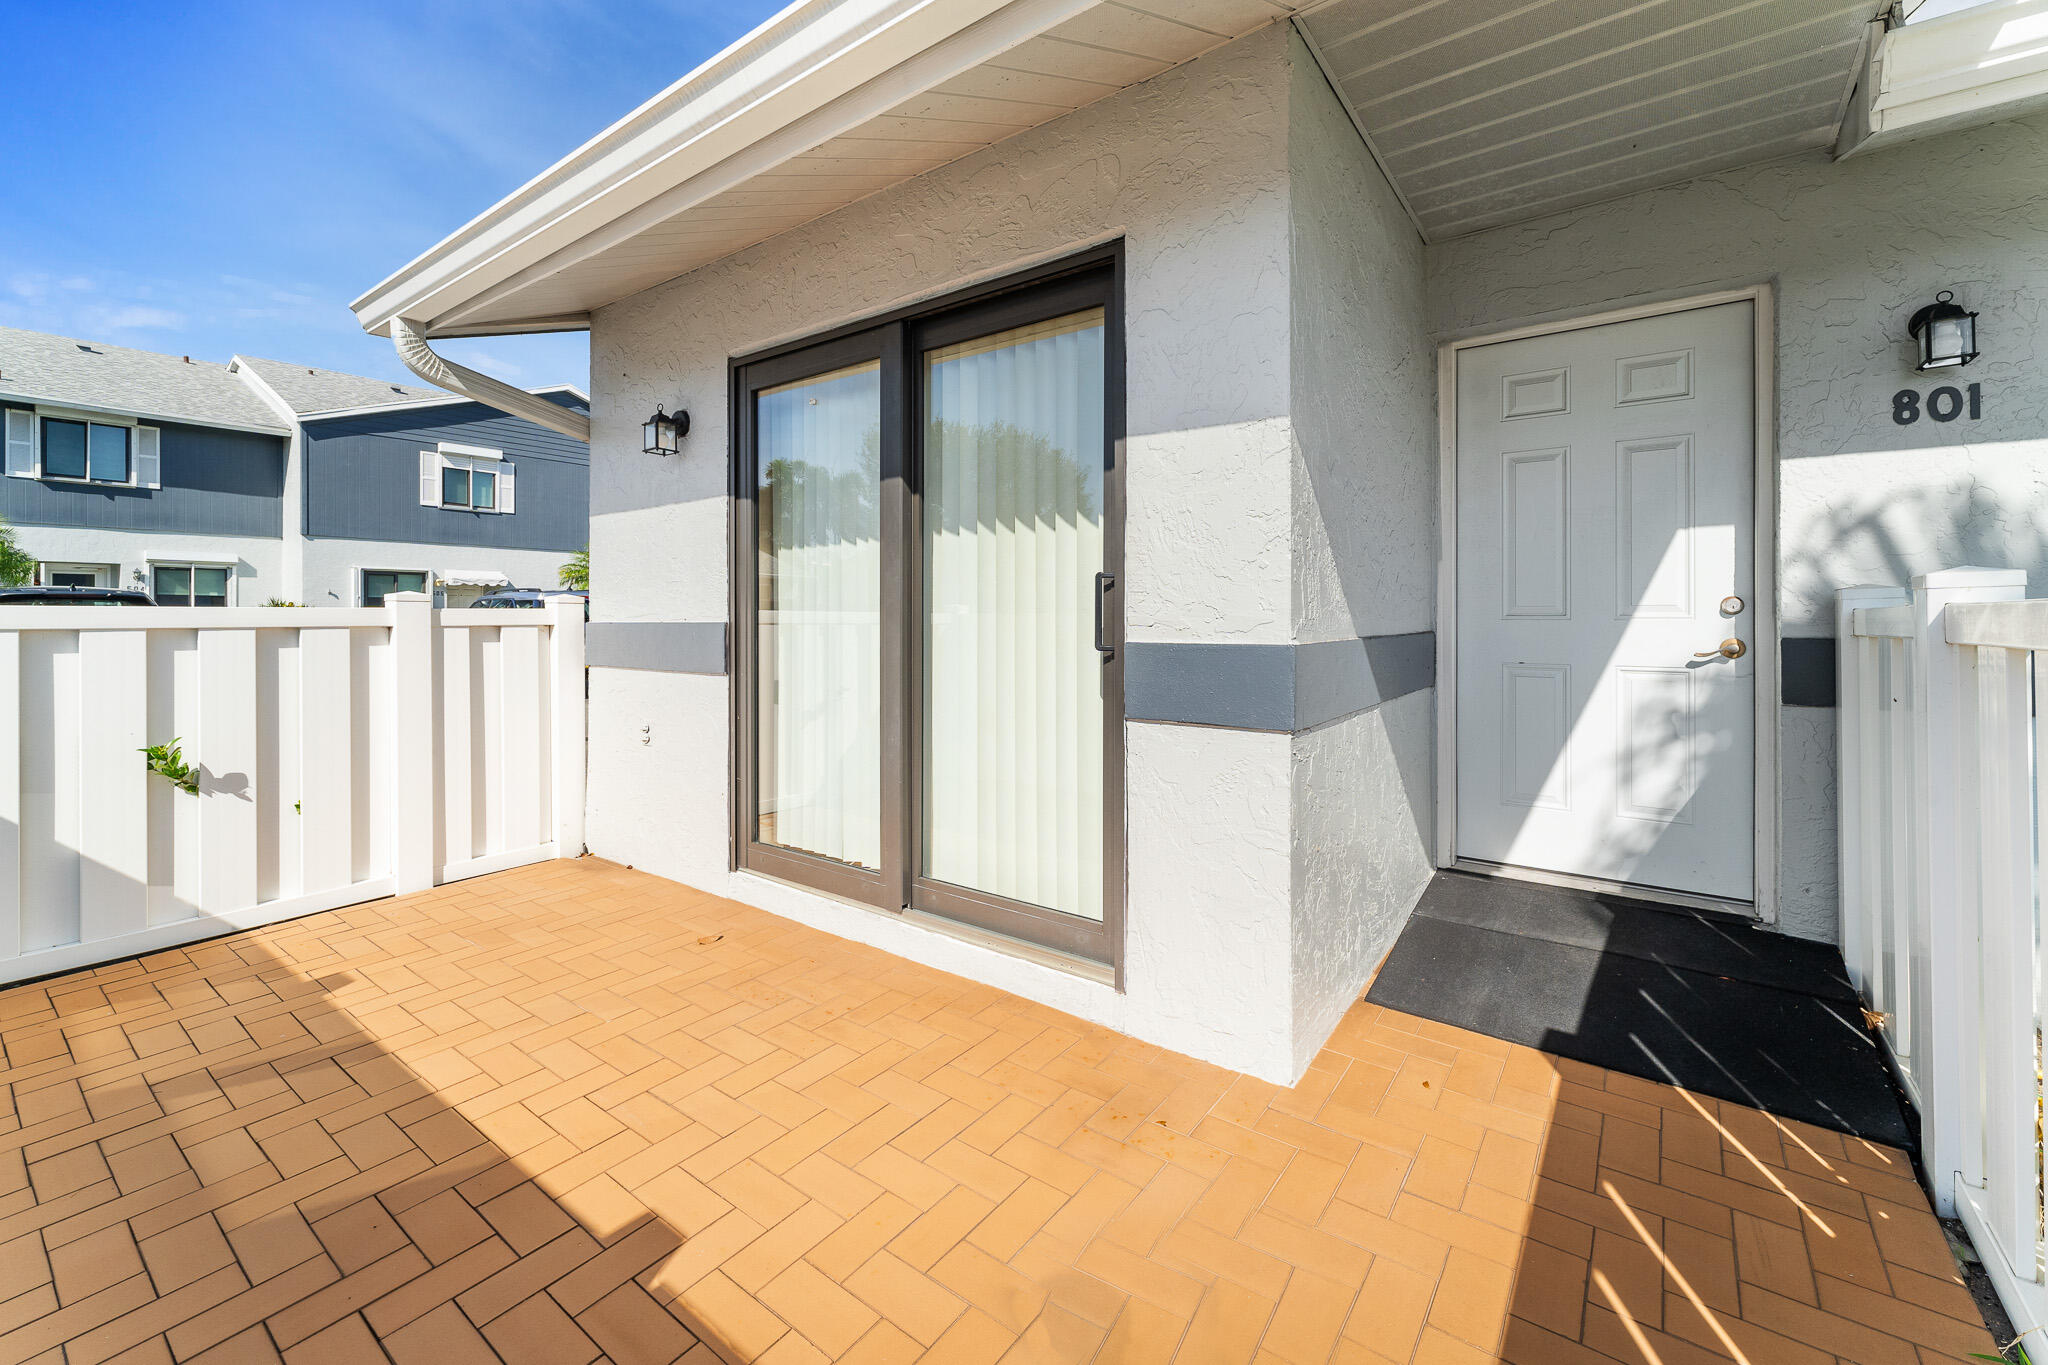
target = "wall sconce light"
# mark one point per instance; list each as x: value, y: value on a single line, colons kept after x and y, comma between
x: 664, y: 431
x: 1947, y: 333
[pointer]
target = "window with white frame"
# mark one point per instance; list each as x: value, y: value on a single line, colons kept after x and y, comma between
x: 465, y: 479
x: 190, y: 585
x: 69, y: 447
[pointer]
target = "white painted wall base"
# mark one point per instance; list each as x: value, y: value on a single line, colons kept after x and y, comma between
x: 259, y: 562
x: 330, y: 571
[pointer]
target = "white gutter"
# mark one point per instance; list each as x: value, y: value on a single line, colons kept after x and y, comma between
x: 420, y: 359
x: 1974, y: 66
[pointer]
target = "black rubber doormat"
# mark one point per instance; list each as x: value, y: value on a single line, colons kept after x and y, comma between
x: 1692, y: 999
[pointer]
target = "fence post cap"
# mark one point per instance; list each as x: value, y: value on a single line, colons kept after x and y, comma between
x: 1971, y: 575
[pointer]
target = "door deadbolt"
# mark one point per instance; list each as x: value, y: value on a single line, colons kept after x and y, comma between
x: 1731, y: 606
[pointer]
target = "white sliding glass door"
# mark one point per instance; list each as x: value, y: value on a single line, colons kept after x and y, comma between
x: 819, y: 616
x: 930, y: 695
x: 1013, y: 507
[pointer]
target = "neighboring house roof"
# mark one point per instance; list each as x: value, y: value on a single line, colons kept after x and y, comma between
x: 304, y: 389
x: 36, y: 367
x: 246, y: 394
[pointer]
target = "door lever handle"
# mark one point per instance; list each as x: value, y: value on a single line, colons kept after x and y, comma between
x: 1730, y: 648
x: 1103, y: 583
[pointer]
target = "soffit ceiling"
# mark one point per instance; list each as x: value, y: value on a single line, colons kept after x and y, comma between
x: 1483, y: 112
x: 1486, y: 113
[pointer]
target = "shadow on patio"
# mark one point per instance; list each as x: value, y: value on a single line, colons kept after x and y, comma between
x: 574, y: 1112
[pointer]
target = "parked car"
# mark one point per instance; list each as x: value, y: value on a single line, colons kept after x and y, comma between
x: 74, y: 597
x: 533, y: 597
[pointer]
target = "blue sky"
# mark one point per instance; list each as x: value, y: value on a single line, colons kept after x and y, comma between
x: 208, y: 179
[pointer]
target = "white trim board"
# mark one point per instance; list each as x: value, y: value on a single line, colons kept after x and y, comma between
x: 1765, y: 542
x: 445, y: 400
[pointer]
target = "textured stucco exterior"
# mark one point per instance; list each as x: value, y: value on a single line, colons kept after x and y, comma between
x: 1363, y: 480
x: 331, y: 576
x: 1266, y: 871
x: 1188, y: 169
x: 260, y: 563
x: 1852, y: 249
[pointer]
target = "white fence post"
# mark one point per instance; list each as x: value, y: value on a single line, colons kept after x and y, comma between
x: 570, y: 718
x: 225, y: 752
x: 412, y: 729
x: 1856, y: 745
x: 1945, y: 873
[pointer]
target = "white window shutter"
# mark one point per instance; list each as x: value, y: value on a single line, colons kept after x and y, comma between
x: 148, y: 468
x: 430, y: 479
x: 21, y: 444
x: 505, y: 488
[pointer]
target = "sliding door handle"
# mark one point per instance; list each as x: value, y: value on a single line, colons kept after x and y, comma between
x: 1103, y: 583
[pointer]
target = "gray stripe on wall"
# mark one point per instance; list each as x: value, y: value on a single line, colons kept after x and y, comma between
x: 1808, y: 668
x: 1244, y: 687
x: 657, y: 646
x: 1281, y: 688
x: 1335, y: 678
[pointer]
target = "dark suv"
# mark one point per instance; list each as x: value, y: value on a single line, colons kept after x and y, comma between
x: 533, y: 597
x: 74, y: 597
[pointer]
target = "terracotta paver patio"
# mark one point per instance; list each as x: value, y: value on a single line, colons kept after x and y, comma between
x: 575, y: 1113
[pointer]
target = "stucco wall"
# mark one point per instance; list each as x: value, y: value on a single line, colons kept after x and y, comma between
x: 1853, y: 248
x: 329, y: 577
x: 1189, y: 169
x: 260, y: 562
x: 1363, y: 388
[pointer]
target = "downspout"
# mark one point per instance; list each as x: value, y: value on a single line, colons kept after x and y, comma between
x: 421, y: 360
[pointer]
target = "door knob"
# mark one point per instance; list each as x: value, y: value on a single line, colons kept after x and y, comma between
x: 1730, y: 648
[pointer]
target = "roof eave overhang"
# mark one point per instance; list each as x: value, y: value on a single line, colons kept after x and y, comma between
x: 141, y: 415
x: 816, y: 69
x: 1972, y: 67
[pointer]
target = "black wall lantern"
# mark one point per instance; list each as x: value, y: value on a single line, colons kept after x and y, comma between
x: 665, y: 431
x: 1947, y: 333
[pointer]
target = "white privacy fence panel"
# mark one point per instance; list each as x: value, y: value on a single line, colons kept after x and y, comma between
x: 1942, y: 831
x: 342, y: 755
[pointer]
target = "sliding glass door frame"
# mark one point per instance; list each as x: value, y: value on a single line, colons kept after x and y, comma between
x: 866, y: 885
x: 899, y: 341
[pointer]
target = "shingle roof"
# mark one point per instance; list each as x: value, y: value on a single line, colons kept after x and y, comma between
x: 309, y: 390
x: 38, y: 367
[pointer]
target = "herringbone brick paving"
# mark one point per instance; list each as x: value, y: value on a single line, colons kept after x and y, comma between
x: 574, y: 1113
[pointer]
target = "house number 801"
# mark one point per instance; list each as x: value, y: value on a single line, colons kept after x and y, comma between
x: 1945, y: 404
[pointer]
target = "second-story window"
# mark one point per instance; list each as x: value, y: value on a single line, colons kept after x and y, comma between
x: 85, y: 450
x: 462, y: 478
x: 467, y: 486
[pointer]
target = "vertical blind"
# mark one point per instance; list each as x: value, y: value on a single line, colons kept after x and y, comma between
x: 818, y: 633
x: 1013, y: 714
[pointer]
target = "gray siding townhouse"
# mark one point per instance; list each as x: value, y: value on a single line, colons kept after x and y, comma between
x: 237, y: 484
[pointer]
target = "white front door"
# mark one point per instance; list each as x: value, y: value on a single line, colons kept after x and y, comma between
x: 1605, y: 510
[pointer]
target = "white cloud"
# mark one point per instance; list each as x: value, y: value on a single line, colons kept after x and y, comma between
x: 136, y: 316
x: 477, y: 359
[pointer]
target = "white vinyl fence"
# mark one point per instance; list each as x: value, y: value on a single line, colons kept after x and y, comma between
x: 342, y: 755
x: 1941, y: 833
